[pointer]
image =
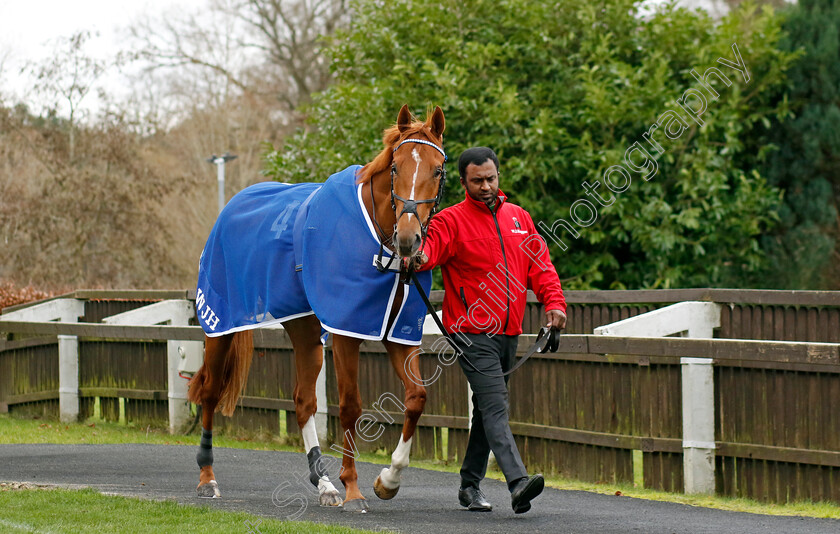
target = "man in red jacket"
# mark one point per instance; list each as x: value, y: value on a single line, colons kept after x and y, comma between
x: 490, y: 253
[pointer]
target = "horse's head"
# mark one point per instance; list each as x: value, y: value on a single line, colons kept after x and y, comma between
x: 417, y: 177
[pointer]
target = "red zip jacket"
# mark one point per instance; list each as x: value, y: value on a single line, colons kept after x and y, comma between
x: 489, y: 260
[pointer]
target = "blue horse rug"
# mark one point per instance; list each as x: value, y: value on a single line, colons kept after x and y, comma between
x: 280, y: 251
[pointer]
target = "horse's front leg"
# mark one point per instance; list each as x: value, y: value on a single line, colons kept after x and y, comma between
x: 305, y: 334
x: 388, y: 482
x: 346, y: 361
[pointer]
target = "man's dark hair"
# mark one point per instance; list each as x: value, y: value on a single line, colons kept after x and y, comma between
x: 476, y: 155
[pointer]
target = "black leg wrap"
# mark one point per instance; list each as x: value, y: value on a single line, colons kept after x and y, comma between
x: 316, y: 467
x: 205, y: 449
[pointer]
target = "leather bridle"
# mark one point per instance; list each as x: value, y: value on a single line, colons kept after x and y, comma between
x: 409, y: 205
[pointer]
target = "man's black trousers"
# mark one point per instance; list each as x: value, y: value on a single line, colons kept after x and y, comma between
x: 490, y: 426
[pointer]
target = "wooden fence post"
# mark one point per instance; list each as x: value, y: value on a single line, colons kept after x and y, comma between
x: 321, y: 399
x: 694, y: 320
x: 65, y: 311
x: 68, y: 378
x: 698, y: 405
x: 177, y: 313
x: 698, y: 419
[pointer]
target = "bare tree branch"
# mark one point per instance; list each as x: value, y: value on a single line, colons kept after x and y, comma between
x: 67, y: 76
x: 264, y: 47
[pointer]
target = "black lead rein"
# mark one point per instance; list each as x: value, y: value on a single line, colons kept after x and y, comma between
x: 548, y: 339
x: 382, y: 236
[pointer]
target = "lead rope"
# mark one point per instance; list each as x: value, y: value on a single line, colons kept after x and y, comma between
x: 548, y: 339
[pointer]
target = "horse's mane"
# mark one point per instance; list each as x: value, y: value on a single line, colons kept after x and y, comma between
x: 390, y: 138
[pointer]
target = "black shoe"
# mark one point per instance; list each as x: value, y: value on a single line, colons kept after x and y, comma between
x: 473, y: 500
x: 525, y: 490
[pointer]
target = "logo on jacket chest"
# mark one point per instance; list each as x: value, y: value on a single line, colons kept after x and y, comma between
x: 518, y: 229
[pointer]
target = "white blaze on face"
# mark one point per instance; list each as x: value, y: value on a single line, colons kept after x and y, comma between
x: 390, y: 477
x: 415, y: 154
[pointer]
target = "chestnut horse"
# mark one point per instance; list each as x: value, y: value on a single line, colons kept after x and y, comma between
x: 409, y: 167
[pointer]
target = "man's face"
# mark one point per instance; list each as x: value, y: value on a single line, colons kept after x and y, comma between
x: 482, y: 182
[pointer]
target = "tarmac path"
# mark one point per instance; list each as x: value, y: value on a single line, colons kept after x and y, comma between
x: 426, y: 504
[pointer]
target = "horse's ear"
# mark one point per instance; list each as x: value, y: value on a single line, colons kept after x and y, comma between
x: 437, y: 122
x: 404, y: 118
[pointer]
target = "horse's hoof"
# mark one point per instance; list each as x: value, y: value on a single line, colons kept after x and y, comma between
x: 209, y: 490
x: 330, y: 498
x: 356, y: 505
x: 382, y: 492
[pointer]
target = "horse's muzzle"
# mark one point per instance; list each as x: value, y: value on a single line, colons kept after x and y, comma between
x: 408, y: 245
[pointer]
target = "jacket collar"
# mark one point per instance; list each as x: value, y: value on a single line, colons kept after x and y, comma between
x: 481, y: 206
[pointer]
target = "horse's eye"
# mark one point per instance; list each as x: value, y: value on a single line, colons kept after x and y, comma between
x: 438, y: 172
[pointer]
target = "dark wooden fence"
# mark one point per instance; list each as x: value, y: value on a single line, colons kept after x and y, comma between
x: 29, y: 376
x: 584, y: 412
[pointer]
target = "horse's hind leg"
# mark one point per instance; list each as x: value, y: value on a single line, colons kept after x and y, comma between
x: 206, y: 390
x: 309, y: 357
x: 387, y: 484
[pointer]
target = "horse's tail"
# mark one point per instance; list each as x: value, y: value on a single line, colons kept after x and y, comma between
x: 237, y: 364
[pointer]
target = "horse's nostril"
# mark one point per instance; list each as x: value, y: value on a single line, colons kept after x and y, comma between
x: 407, y: 246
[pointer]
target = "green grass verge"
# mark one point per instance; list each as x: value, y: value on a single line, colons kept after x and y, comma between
x: 14, y: 430
x: 87, y: 511
x: 17, y: 430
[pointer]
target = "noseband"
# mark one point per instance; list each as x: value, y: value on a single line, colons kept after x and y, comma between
x: 409, y: 205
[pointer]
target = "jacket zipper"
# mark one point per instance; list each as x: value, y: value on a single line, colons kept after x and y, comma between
x: 463, y: 298
x: 507, y: 271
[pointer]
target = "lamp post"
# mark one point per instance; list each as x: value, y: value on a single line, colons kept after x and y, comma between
x: 220, y: 161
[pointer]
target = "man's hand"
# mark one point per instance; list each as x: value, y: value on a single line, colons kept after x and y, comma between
x: 418, y: 259
x: 555, y: 318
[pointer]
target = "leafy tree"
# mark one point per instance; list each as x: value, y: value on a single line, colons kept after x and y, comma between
x: 561, y: 91
x: 805, y: 162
